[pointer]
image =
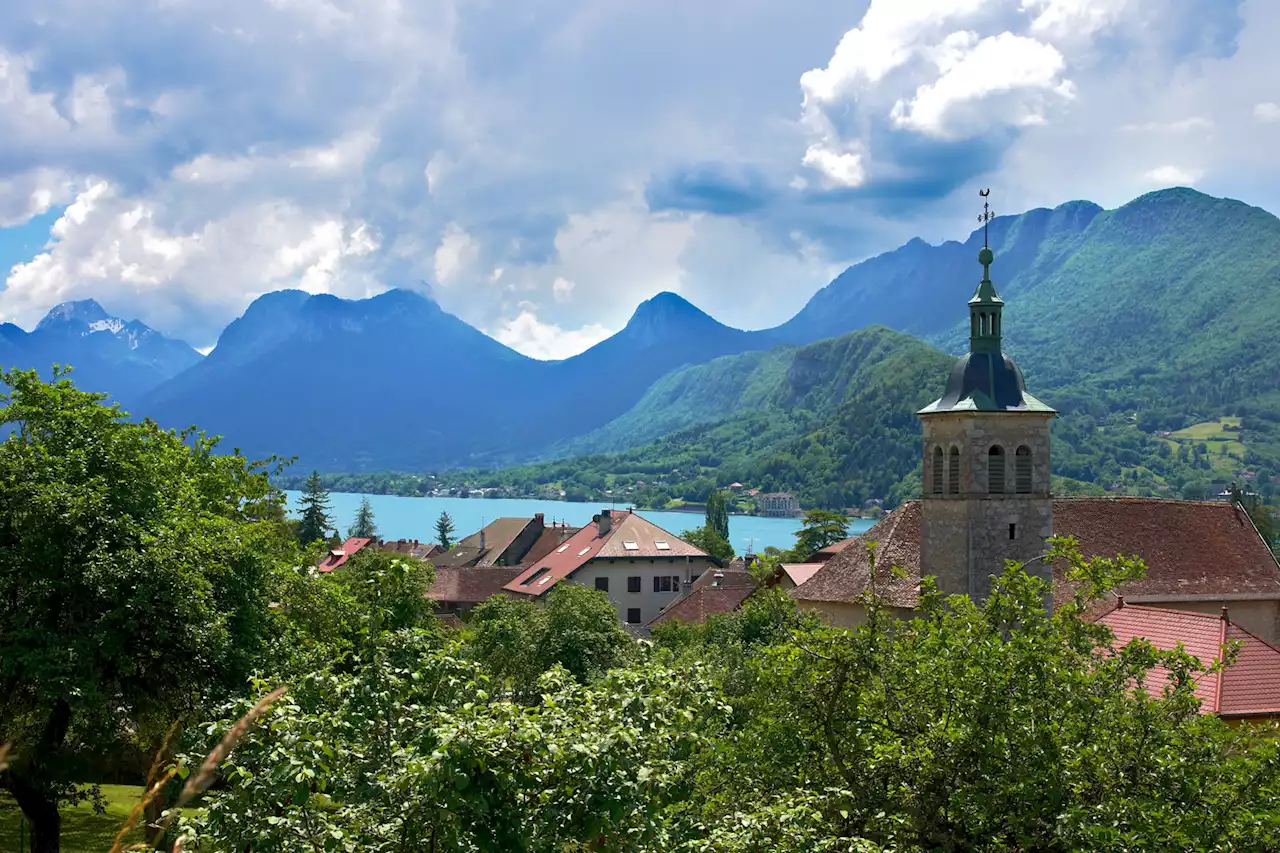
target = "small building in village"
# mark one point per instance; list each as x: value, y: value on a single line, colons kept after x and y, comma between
x: 716, y: 592
x: 986, y: 499
x: 456, y: 590
x: 336, y: 557
x: 778, y: 505
x: 638, y: 565
x: 501, y: 542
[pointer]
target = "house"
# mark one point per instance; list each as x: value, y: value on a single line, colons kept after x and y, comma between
x: 778, y: 505
x: 638, y: 565
x: 716, y: 592
x: 501, y: 542
x: 413, y: 548
x: 824, y: 554
x: 791, y: 575
x: 338, y: 556
x: 1248, y: 689
x: 456, y: 590
x: 986, y: 499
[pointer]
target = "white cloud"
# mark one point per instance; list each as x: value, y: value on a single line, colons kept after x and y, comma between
x: 32, y: 193
x: 1267, y: 112
x: 561, y: 289
x: 1185, y: 125
x: 1172, y: 176
x: 1068, y: 19
x: 837, y: 168
x: 455, y: 254
x: 529, y: 335
x: 959, y: 103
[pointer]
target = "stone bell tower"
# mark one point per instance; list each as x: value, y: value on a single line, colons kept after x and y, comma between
x: 986, y: 459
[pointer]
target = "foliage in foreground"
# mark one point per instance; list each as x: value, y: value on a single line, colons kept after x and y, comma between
x: 993, y: 727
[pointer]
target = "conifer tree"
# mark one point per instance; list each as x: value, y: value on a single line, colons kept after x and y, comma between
x: 316, y: 518
x: 444, y: 531
x: 718, y: 514
x: 364, y: 528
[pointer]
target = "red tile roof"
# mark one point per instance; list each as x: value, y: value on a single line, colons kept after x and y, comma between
x: 339, y: 556
x: 824, y: 554
x: 471, y: 584
x: 800, y: 572
x: 700, y: 604
x: 1193, y: 550
x: 553, y: 536
x: 587, y: 544
x: 1249, y: 687
x: 847, y: 576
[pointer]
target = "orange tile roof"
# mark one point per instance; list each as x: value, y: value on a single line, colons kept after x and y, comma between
x: 1249, y: 687
x: 701, y: 604
x: 340, y: 555
x: 800, y: 572
x: 587, y: 544
x: 1192, y: 549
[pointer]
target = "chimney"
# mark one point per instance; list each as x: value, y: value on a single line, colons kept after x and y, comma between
x: 1119, y: 602
x: 715, y: 578
x: 606, y: 522
x: 1225, y: 617
x: 481, y: 538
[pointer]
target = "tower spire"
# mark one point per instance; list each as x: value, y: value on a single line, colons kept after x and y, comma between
x: 986, y: 306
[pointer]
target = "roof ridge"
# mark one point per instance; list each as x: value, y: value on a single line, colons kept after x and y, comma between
x: 1133, y: 499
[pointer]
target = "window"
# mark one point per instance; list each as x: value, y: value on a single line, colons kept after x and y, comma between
x: 533, y: 577
x: 1022, y: 470
x: 562, y: 549
x: 995, y: 470
x: 630, y: 546
x: 633, y: 583
x: 602, y: 584
x: 1013, y: 531
x: 584, y: 551
x: 661, y: 545
x: 953, y: 472
x: 937, y: 470
x: 666, y: 583
x: 633, y: 615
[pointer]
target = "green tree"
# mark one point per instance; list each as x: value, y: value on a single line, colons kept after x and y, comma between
x: 444, y: 530
x: 364, y: 528
x: 710, y: 542
x: 718, y: 514
x: 135, y: 565
x: 316, y: 518
x: 821, y: 528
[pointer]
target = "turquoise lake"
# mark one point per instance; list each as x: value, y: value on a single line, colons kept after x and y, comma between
x: 415, y: 518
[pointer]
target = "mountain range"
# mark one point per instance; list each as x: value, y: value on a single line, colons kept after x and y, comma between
x: 1168, y: 306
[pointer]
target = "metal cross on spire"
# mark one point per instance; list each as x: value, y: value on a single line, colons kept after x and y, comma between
x: 986, y: 216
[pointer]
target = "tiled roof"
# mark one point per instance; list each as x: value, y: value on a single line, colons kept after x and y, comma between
x: 552, y: 537
x: 1193, y: 550
x: 471, y: 584
x: 800, y: 572
x: 498, y: 536
x: 702, y: 603
x: 824, y: 554
x: 1250, y: 686
x: 340, y: 555
x: 413, y: 548
x: 846, y: 576
x: 735, y: 574
x: 587, y: 544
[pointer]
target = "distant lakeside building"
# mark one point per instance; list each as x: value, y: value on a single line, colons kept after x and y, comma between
x: 778, y: 505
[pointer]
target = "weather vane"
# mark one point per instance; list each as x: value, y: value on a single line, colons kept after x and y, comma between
x: 986, y: 216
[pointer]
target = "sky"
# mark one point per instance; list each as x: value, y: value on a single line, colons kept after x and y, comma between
x: 540, y: 167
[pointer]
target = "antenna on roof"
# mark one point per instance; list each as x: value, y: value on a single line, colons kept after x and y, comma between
x: 751, y: 546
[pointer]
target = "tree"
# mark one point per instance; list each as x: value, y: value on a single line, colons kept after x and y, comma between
x: 710, y: 542
x: 134, y: 569
x: 316, y: 518
x: 364, y: 528
x: 718, y: 514
x: 821, y: 528
x: 444, y: 530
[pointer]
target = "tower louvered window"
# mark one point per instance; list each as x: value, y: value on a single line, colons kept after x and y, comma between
x: 937, y: 470
x: 1022, y: 470
x: 953, y: 472
x: 995, y: 470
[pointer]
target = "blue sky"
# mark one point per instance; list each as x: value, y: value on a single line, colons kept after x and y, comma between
x: 541, y: 167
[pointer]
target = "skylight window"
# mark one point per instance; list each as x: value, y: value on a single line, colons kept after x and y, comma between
x: 584, y: 552
x: 562, y: 549
x: 661, y: 545
x: 544, y: 580
x: 631, y: 546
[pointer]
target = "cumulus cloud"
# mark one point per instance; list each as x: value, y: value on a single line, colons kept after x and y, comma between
x: 1172, y: 176
x: 527, y: 334
x: 1267, y: 112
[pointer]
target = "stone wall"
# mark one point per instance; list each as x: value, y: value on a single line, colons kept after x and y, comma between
x: 967, y: 536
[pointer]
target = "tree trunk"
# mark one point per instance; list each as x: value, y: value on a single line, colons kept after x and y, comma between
x: 41, y: 811
x: 33, y: 788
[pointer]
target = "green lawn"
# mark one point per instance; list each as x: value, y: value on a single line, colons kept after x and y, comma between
x: 82, y: 830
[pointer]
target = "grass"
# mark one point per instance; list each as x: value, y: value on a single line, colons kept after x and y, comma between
x: 83, y: 831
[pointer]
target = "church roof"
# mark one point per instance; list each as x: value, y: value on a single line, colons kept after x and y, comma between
x: 1193, y: 551
x: 986, y: 382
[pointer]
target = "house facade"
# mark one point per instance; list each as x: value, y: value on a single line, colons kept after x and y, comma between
x: 778, y: 505
x: 638, y: 565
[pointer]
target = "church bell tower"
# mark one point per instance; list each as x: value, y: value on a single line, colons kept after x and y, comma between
x: 986, y: 458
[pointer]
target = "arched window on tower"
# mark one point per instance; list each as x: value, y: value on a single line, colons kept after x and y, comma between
x: 953, y: 472
x: 984, y: 324
x: 995, y: 470
x: 937, y: 471
x: 1022, y: 470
